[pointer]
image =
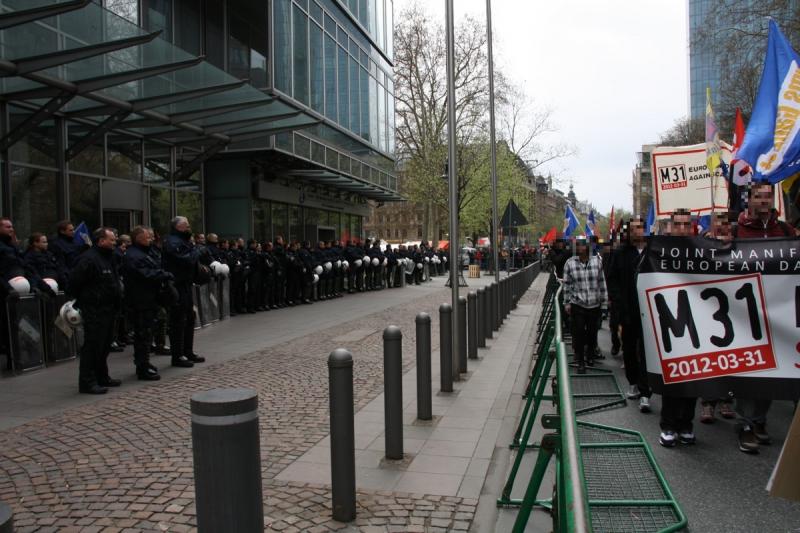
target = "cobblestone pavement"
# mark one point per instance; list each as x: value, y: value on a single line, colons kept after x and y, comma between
x: 125, y: 463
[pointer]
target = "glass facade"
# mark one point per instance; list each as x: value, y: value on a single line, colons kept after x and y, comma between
x: 704, y: 65
x: 332, y: 65
x: 270, y: 220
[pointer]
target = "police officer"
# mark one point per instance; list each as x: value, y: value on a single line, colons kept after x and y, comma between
x: 97, y: 291
x: 375, y: 282
x: 144, y: 280
x: 180, y: 258
x: 306, y: 275
x: 42, y: 262
x: 63, y: 246
x: 282, y: 268
x: 255, y: 261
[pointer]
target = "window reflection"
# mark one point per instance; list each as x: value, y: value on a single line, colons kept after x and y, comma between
x: 32, y: 194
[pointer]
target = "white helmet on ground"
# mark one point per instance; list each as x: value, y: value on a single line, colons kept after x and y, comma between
x: 70, y: 315
x: 20, y: 285
x: 357, y: 262
x: 53, y: 284
x: 328, y: 265
x: 318, y: 269
x: 375, y: 261
x: 316, y: 278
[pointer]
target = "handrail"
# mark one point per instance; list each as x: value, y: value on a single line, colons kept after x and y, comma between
x: 577, y: 504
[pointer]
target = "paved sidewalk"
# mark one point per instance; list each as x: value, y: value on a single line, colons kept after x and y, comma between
x: 123, y: 461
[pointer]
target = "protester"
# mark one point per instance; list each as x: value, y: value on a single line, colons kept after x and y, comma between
x: 584, y: 294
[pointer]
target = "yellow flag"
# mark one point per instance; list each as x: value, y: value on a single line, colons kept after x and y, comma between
x: 712, y: 137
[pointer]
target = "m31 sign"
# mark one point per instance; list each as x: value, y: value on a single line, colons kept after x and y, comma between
x: 722, y: 317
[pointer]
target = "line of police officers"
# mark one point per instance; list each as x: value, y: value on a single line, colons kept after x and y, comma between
x: 130, y: 281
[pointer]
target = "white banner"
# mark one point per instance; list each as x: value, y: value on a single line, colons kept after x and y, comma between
x: 681, y: 180
x: 722, y: 311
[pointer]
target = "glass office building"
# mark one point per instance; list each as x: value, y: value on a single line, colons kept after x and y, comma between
x: 704, y: 63
x: 252, y: 118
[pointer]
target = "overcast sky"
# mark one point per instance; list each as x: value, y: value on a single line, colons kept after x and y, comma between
x: 614, y: 73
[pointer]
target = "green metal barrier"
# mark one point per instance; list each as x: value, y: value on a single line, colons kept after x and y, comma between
x: 606, y: 478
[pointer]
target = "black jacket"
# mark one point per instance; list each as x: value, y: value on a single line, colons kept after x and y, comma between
x: 12, y: 265
x: 622, y: 282
x: 93, y: 281
x: 143, y: 277
x: 45, y: 265
x: 66, y: 250
x: 180, y: 257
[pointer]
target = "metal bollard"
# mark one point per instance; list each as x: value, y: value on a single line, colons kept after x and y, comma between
x: 393, y: 391
x: 462, y: 335
x: 227, y: 460
x: 489, y: 318
x: 445, y: 348
x: 481, y: 318
x: 472, y: 327
x: 514, y: 301
x: 343, y: 457
x: 6, y: 519
x: 495, y: 306
x: 424, y: 407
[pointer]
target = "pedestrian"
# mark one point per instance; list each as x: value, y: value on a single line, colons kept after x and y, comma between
x: 95, y: 286
x: 584, y: 294
x: 180, y: 258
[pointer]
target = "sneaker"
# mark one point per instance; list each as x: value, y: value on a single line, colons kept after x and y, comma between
x: 686, y: 437
x: 644, y: 404
x: 725, y: 410
x: 707, y: 413
x: 748, y: 443
x: 633, y: 392
x: 760, y: 431
x: 668, y: 439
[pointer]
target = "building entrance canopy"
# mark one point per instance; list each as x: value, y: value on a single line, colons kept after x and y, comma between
x: 79, y: 60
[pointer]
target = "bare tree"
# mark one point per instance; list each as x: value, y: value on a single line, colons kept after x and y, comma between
x: 684, y: 131
x: 524, y: 127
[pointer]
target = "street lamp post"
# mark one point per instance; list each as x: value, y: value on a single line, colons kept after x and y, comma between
x: 492, y: 147
x: 452, y: 171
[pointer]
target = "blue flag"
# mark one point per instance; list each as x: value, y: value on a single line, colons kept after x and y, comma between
x: 772, y: 141
x: 651, y: 220
x: 703, y: 224
x: 80, y: 232
x: 590, y: 225
x: 570, y: 221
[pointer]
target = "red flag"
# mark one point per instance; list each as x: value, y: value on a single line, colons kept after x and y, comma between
x: 551, y: 235
x: 738, y: 130
x: 611, y: 224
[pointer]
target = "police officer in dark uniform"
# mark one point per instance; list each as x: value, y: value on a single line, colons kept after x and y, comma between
x: 306, y: 276
x: 42, y: 262
x: 144, y: 281
x: 64, y: 248
x: 180, y: 258
x: 255, y: 261
x: 282, y: 267
x: 268, y: 280
x: 375, y: 270
x: 96, y: 288
x: 319, y: 258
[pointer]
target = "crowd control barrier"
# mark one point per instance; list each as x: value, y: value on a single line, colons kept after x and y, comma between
x: 606, y: 478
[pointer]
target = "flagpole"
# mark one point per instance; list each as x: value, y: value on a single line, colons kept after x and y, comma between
x: 492, y: 147
x: 452, y: 167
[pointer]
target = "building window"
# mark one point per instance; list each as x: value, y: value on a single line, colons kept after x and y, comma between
x: 215, y: 33
x: 262, y: 220
x: 189, y: 26
x: 32, y: 194
x: 280, y: 226
x: 300, y: 53
x: 190, y: 205
x: 127, y: 9
x: 317, y: 68
x: 158, y: 16
x: 84, y: 201
x: 160, y: 210
x: 283, y: 45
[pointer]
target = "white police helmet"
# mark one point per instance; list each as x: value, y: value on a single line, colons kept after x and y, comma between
x: 366, y: 259
x: 225, y: 270
x: 338, y: 263
x: 345, y: 265
x: 215, y: 267
x: 376, y: 261
x: 357, y: 262
x: 20, y: 285
x: 419, y: 266
x: 427, y: 259
x: 444, y: 259
x: 316, y: 278
x: 385, y: 261
x: 53, y: 284
x: 70, y: 315
x: 318, y: 270
x: 328, y: 265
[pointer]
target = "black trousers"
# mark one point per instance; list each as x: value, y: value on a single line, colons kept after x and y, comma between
x: 613, y: 325
x: 634, y: 358
x: 279, y: 289
x: 143, y: 321
x: 254, y: 287
x: 583, y: 325
x: 181, y: 322
x: 677, y: 413
x: 98, y: 331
